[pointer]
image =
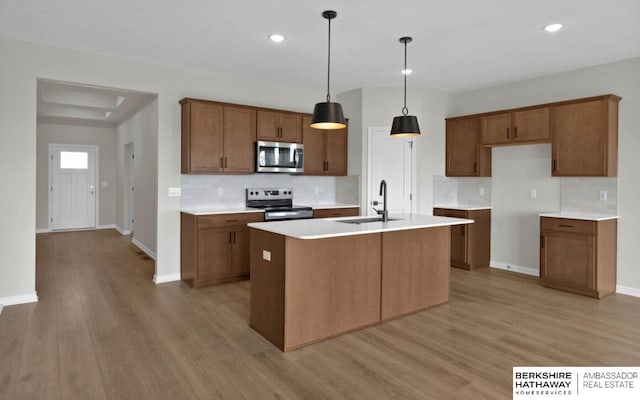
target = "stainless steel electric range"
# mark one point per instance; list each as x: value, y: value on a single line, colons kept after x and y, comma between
x: 277, y: 204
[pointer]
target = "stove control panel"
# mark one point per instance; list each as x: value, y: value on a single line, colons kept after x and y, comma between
x: 269, y: 193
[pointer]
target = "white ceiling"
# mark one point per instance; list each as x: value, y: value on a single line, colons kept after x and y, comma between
x: 458, y: 44
x: 62, y: 102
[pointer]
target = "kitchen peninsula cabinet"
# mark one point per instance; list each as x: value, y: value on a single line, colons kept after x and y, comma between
x: 336, y: 212
x: 215, y: 248
x: 217, y: 137
x: 585, y: 137
x: 523, y: 126
x: 578, y: 255
x: 325, y: 151
x: 465, y: 156
x: 470, y: 244
x: 277, y: 126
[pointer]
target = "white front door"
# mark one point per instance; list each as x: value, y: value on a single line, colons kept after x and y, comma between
x: 391, y: 159
x: 72, y: 187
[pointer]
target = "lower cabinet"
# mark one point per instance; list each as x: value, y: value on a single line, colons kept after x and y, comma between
x: 471, y: 243
x: 336, y: 212
x: 578, y: 256
x: 215, y: 248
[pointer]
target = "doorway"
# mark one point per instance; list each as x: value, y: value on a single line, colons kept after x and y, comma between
x: 391, y: 159
x: 72, y: 185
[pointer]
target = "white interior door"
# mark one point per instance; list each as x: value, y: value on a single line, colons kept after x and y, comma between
x: 391, y: 159
x: 72, y: 187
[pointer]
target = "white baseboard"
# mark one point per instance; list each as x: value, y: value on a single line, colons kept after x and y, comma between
x: 122, y: 231
x: 144, y: 248
x: 514, y: 268
x: 630, y: 291
x: 43, y: 230
x: 22, y: 299
x: 165, y: 278
x: 112, y: 226
x: 47, y: 230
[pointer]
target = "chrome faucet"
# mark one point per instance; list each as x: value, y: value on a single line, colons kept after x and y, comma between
x: 383, y: 193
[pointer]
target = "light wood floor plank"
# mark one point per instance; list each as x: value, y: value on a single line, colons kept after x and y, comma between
x: 102, y: 329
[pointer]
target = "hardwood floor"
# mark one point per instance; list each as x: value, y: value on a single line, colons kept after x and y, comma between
x: 103, y: 330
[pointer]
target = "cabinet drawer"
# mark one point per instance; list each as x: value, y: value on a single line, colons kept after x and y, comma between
x: 447, y: 212
x: 336, y: 212
x: 568, y: 225
x: 223, y: 220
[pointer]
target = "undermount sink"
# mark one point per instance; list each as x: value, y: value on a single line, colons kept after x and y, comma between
x: 365, y: 220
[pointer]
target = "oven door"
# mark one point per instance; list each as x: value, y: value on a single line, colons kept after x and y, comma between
x: 279, y: 157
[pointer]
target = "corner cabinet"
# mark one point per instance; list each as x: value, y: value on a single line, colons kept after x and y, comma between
x: 217, y: 137
x: 277, y: 126
x: 585, y: 137
x: 470, y: 243
x: 215, y: 248
x: 325, y: 151
x: 578, y: 256
x: 465, y: 156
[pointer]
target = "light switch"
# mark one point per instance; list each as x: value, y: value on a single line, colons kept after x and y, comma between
x: 481, y: 191
x: 533, y: 193
x: 175, y: 191
x: 220, y: 191
x: 266, y: 255
x: 603, y: 195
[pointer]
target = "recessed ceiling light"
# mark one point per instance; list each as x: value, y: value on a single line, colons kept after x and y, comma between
x: 407, y: 71
x: 276, y: 38
x: 553, y: 27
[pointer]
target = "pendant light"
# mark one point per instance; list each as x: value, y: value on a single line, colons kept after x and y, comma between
x: 405, y: 125
x: 328, y: 115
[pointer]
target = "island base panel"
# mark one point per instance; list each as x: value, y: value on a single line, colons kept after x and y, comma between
x: 415, y: 270
x: 332, y: 286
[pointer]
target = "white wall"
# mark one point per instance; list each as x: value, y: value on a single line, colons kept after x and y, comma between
x: 105, y: 139
x: 24, y: 62
x: 620, y: 78
x: 141, y: 130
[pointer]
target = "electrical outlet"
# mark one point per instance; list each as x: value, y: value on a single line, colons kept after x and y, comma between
x: 266, y: 255
x: 603, y: 195
x: 316, y: 189
x: 533, y: 193
x: 481, y: 191
x: 175, y: 192
x: 220, y: 191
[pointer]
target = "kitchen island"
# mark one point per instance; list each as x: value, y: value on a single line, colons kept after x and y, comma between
x: 316, y: 279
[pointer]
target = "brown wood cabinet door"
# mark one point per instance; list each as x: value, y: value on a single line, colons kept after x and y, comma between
x: 214, y: 254
x: 240, y: 251
x: 568, y: 259
x: 463, y: 152
x: 531, y: 125
x: 239, y: 139
x: 205, y: 137
x: 336, y: 151
x: 314, y: 148
x: 459, y: 246
x: 579, y: 139
x: 496, y: 129
x: 290, y: 128
x: 268, y: 125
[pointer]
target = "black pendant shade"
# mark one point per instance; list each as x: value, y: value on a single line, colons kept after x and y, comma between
x: 405, y: 125
x: 328, y: 115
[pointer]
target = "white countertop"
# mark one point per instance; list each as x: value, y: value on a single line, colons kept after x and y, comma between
x: 331, y: 227
x: 237, y: 209
x: 576, y: 215
x: 463, y: 207
x: 234, y: 210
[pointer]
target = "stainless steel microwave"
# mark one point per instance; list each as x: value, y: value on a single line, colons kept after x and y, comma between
x: 279, y: 157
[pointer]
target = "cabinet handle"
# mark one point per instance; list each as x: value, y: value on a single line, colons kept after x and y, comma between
x: 230, y: 238
x: 508, y: 137
x: 225, y: 162
x: 327, y: 166
x: 541, y: 242
x: 234, y: 237
x: 475, y: 166
x: 515, y: 132
x: 221, y: 162
x: 565, y: 226
x: 555, y: 165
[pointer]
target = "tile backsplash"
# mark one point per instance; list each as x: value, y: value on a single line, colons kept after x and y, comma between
x: 201, y: 192
x: 582, y: 195
x: 461, y: 191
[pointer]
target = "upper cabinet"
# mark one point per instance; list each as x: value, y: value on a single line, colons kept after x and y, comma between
x: 279, y: 126
x: 585, y: 137
x: 325, y: 151
x: 217, y: 137
x: 521, y: 126
x: 465, y: 156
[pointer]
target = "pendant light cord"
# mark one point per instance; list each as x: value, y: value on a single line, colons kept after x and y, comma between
x: 405, y: 110
x: 329, y: 63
